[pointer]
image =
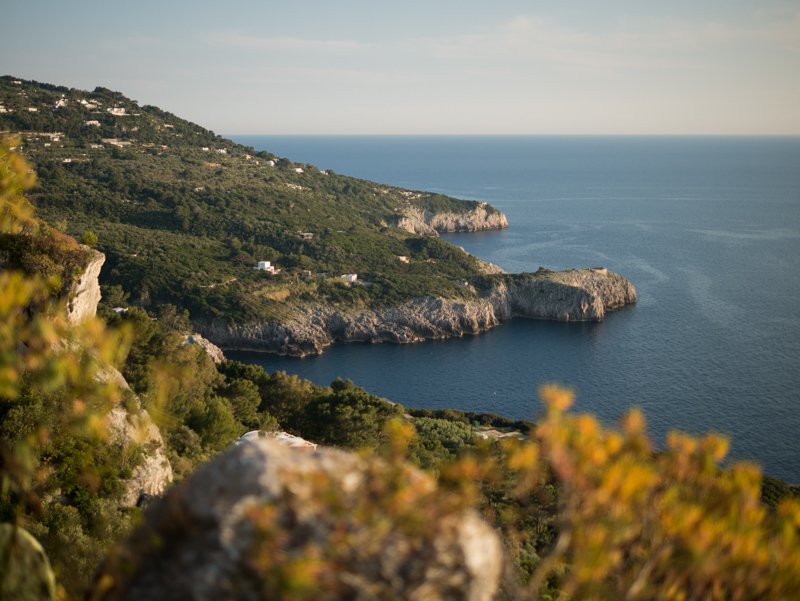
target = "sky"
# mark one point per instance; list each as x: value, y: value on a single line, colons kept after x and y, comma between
x: 426, y: 67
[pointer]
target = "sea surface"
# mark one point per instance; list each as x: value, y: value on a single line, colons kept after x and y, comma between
x: 706, y: 228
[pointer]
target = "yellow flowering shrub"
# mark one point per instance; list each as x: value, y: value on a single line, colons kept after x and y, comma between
x: 636, y: 523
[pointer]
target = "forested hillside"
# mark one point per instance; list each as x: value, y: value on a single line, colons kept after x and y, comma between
x: 183, y: 215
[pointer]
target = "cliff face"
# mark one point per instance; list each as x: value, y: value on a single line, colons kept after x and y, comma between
x: 86, y: 291
x: 152, y: 477
x: 126, y: 428
x: 426, y: 223
x: 577, y: 295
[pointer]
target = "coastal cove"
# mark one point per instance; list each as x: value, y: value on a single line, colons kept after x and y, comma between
x: 707, y: 229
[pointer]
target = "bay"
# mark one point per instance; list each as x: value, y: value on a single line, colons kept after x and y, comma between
x: 706, y: 228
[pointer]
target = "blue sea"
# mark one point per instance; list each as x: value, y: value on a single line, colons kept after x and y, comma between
x: 706, y: 228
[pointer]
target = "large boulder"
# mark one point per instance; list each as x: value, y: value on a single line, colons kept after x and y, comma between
x: 264, y: 521
x: 25, y: 572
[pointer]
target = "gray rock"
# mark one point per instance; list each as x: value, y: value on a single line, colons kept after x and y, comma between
x: 125, y: 427
x: 264, y: 521
x: 25, y: 574
x: 428, y: 223
x: 85, y: 293
x: 212, y: 350
x: 129, y: 424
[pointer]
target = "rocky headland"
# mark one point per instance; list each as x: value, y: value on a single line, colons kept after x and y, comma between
x: 573, y: 295
x: 429, y: 223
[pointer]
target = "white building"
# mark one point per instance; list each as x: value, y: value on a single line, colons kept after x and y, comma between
x: 222, y: 151
x: 92, y: 122
x: 266, y: 266
x: 298, y: 170
x: 115, y: 110
x: 350, y: 277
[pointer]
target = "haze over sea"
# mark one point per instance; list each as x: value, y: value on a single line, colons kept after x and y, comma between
x: 706, y: 228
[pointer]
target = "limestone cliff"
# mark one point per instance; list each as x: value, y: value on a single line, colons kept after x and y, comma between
x: 428, y: 223
x: 128, y: 423
x: 85, y: 293
x: 574, y: 295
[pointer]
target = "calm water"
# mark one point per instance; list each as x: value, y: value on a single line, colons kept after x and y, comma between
x: 707, y: 229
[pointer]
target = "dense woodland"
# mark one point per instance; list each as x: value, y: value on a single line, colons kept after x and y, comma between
x: 591, y: 512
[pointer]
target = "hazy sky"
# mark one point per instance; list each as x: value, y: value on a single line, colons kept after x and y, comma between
x: 426, y: 67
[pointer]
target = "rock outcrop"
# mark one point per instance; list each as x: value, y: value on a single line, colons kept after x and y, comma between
x: 264, y: 519
x: 85, y: 293
x: 574, y: 295
x: 129, y: 424
x: 212, y: 350
x: 26, y: 574
x: 428, y: 223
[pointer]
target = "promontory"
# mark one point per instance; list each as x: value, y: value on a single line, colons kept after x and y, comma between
x: 262, y: 251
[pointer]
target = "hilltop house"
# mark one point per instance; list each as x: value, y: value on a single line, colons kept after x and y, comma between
x: 265, y: 266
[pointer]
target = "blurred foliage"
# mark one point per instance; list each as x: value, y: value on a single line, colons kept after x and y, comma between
x: 636, y: 524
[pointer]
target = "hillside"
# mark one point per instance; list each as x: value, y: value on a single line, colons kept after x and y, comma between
x: 183, y: 215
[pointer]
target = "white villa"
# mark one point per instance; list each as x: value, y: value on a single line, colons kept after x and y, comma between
x: 350, y: 277
x: 265, y: 266
x: 115, y: 110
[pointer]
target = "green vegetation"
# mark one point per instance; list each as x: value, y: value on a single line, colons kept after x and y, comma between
x: 183, y: 215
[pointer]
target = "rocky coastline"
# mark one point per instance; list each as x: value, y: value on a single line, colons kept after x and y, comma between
x: 428, y: 223
x: 573, y: 295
